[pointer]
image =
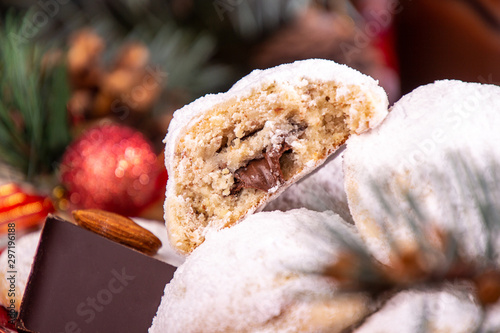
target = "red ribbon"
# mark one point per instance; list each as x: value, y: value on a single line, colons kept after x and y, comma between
x: 25, y: 209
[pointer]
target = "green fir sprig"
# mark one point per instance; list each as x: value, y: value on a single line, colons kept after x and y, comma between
x: 34, y: 128
x: 184, y: 56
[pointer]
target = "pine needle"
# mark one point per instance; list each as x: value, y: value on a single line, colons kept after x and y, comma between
x: 33, y: 118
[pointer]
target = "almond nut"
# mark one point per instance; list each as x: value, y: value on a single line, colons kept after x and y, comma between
x: 118, y: 228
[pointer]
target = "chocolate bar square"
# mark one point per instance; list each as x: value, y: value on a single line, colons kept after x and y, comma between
x: 83, y: 282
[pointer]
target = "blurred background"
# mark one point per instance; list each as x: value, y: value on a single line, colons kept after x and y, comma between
x: 80, y: 78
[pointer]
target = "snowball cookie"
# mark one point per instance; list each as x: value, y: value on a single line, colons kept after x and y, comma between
x: 451, y: 308
x: 321, y: 190
x: 424, y: 147
x: 263, y: 275
x: 227, y: 154
x: 26, y: 246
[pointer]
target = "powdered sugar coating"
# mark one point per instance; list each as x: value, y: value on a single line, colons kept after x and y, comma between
x: 249, y: 276
x: 411, y: 151
x: 449, y: 309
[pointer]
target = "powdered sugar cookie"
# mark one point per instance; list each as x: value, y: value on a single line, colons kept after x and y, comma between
x: 264, y: 275
x: 230, y: 153
x: 438, y: 145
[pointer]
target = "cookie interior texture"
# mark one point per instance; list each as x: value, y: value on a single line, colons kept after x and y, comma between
x: 276, y: 132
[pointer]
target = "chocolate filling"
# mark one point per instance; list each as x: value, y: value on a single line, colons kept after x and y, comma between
x: 263, y: 173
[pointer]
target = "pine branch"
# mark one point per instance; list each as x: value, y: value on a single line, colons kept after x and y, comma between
x: 181, y: 57
x: 252, y: 18
x: 33, y: 119
x: 183, y: 53
x: 185, y: 57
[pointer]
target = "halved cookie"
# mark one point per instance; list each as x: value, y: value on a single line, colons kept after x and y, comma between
x: 228, y: 154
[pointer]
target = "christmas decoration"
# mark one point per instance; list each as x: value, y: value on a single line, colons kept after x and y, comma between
x: 24, y: 209
x: 33, y: 120
x: 114, y: 168
x: 48, y: 95
x: 6, y: 321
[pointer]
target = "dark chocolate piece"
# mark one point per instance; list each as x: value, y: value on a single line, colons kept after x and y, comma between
x: 263, y: 173
x: 83, y: 282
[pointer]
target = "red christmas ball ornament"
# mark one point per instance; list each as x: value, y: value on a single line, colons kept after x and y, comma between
x: 114, y: 168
